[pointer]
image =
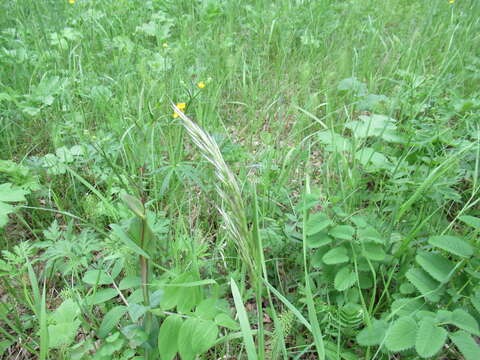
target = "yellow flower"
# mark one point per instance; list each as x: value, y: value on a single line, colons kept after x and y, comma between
x: 71, y: 2
x: 165, y: 45
x: 451, y: 1
x: 181, y: 107
x: 201, y: 84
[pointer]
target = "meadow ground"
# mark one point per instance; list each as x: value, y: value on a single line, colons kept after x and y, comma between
x: 312, y: 194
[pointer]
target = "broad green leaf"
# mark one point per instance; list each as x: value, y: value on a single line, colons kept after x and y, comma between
x: 195, y: 337
x: 227, y: 322
x: 344, y: 232
x: 318, y: 240
x: 405, y: 306
x: 336, y: 255
x: 372, y: 159
x: 130, y: 282
x: 373, y: 334
x: 5, y: 209
x: 97, y: 277
x: 110, y: 320
x: 440, y: 268
x: 136, y: 311
x: 122, y: 235
x: 11, y: 194
x: 134, y: 204
x: 373, y: 252
x: 465, y: 321
x: 317, y: 222
x: 401, y: 335
x: 334, y: 141
x: 466, y: 344
x: 471, y: 221
x: 101, y: 296
x: 167, y: 337
x: 424, y: 283
x: 344, y: 279
x: 430, y: 338
x: 370, y: 234
x: 63, y: 333
x: 452, y: 244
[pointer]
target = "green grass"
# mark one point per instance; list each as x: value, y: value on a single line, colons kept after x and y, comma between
x: 316, y: 197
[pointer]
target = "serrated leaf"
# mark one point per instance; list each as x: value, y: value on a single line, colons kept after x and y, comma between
x: 336, y: 255
x: 374, y: 334
x: 401, y: 335
x: 430, y: 338
x: 344, y: 232
x: 344, y: 279
x: 373, y: 252
x: 167, y: 337
x: 465, y: 321
x: 318, y: 240
x: 475, y: 300
x: 452, y: 244
x: 370, y: 234
x: 405, y: 306
x: 466, y: 344
x: 424, y: 283
x: 110, y: 320
x: 317, y: 222
x: 436, y: 265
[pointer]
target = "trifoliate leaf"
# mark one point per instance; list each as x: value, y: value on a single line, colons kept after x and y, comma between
x: 452, y: 244
x: 401, y: 335
x: 430, y: 338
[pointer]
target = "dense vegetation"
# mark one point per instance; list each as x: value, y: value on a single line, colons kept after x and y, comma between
x: 243, y: 179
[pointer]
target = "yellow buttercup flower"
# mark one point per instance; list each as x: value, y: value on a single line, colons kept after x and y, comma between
x: 71, y: 2
x: 201, y: 84
x: 451, y: 1
x: 181, y: 107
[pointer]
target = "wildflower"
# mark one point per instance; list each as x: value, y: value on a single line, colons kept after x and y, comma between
x: 71, y: 2
x: 451, y: 1
x: 165, y: 45
x: 181, y: 107
x: 201, y: 84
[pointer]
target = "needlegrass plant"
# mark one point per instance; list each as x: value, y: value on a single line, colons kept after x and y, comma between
x: 239, y: 179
